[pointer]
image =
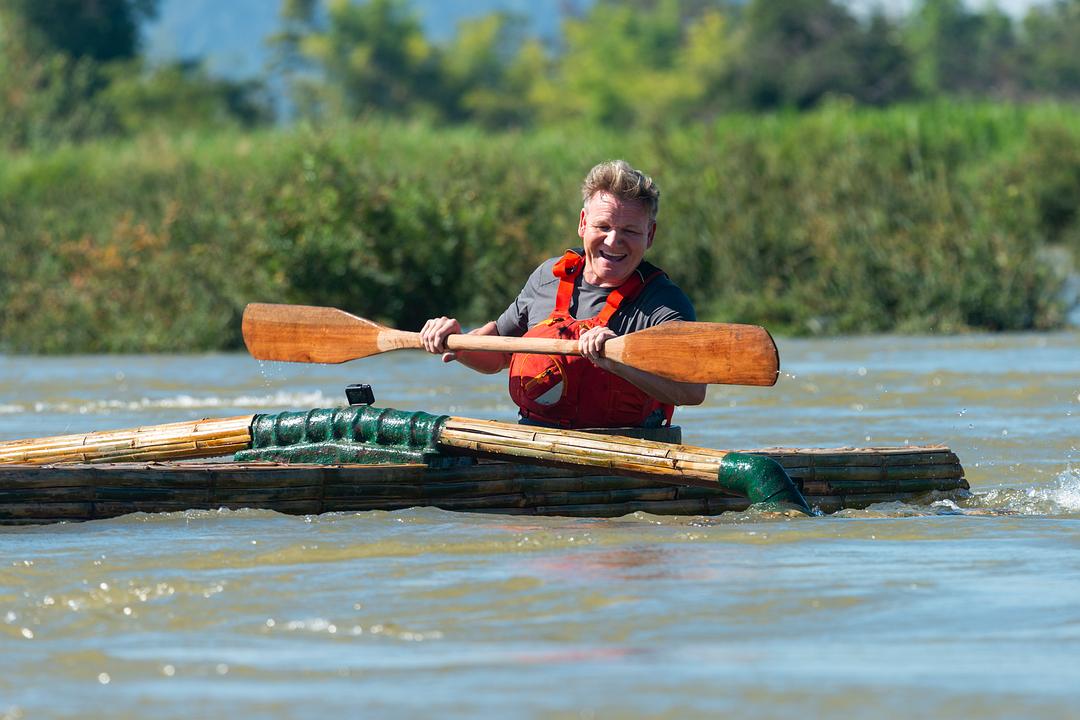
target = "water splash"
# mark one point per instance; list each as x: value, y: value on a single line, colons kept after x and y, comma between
x: 1061, y: 497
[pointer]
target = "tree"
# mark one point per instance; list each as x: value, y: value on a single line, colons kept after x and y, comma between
x: 51, y: 55
x: 794, y: 52
x: 996, y: 69
x: 101, y: 30
x: 884, y: 63
x: 1048, y: 42
x: 640, y: 63
x: 489, y: 68
x: 181, y: 96
x: 71, y: 70
x: 930, y: 28
x: 371, y: 56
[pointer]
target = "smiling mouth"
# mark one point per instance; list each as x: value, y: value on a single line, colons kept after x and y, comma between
x: 611, y: 257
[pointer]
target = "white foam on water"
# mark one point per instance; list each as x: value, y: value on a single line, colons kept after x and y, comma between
x: 945, y: 506
x: 278, y: 399
x: 1065, y: 492
x: 1058, y: 498
x: 186, y: 402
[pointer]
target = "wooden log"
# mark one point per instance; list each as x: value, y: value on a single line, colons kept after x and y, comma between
x: 417, y: 493
x: 867, y: 456
x: 717, y: 505
x: 842, y: 487
x: 193, y: 497
x: 54, y: 510
x: 670, y: 507
x: 225, y: 478
x: 863, y: 500
x: 267, y: 496
x: 84, y: 491
x: 512, y: 500
x: 39, y: 521
x: 689, y: 493
x: 384, y: 505
x: 423, y: 489
x: 46, y: 495
x: 114, y: 509
x: 613, y: 497
x: 584, y: 483
x: 881, y: 474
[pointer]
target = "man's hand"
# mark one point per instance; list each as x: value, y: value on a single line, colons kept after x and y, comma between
x: 591, y: 344
x: 434, y: 334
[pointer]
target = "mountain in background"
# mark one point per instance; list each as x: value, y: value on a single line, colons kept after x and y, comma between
x: 231, y: 36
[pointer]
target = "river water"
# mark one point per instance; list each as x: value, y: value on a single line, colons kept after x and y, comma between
x: 955, y: 609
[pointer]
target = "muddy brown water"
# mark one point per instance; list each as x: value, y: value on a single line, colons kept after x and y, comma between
x: 965, y: 608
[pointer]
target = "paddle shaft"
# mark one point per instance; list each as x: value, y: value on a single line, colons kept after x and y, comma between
x: 403, y: 340
x: 694, y: 352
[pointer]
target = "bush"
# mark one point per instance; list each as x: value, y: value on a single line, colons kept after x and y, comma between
x: 915, y: 219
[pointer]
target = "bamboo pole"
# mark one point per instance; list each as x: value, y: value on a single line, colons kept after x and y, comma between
x: 195, y: 439
x: 694, y: 466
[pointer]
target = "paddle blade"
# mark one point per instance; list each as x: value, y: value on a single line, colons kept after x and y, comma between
x: 700, y: 352
x: 303, y: 333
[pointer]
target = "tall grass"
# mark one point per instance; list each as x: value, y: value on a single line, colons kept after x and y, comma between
x: 928, y: 218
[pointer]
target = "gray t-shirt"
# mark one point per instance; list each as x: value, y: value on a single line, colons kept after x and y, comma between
x: 661, y: 300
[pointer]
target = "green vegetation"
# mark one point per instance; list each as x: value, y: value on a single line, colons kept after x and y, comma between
x: 73, y: 69
x: 822, y: 172
x: 646, y: 63
x: 70, y: 71
x: 922, y: 218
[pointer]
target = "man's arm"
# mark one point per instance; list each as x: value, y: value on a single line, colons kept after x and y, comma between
x: 667, y: 391
x: 435, y: 332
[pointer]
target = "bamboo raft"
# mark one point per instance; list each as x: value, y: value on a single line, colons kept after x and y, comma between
x: 103, y: 475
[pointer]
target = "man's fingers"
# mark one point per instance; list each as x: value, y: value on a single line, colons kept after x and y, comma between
x: 591, y: 343
x: 427, y: 336
x: 435, y: 331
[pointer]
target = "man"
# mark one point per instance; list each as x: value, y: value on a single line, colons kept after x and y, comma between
x: 593, y: 294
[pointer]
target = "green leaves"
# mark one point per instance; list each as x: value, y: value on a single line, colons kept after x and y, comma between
x: 925, y: 218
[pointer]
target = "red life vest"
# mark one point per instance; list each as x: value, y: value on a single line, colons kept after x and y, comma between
x: 569, y: 391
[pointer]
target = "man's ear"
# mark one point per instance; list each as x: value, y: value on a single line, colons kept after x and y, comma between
x: 652, y: 233
x: 581, y: 225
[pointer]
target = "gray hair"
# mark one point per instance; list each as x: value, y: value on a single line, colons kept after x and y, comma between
x: 618, y: 178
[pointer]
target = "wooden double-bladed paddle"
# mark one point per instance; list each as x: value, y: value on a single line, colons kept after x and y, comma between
x: 698, y: 352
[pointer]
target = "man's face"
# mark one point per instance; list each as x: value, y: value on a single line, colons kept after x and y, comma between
x: 616, y: 235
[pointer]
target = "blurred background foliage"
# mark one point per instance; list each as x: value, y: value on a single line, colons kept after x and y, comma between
x: 823, y: 171
x: 74, y: 69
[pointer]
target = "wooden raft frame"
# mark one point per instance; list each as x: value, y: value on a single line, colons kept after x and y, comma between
x: 831, y: 479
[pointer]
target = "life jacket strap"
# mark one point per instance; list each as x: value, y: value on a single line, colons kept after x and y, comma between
x: 569, y: 268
